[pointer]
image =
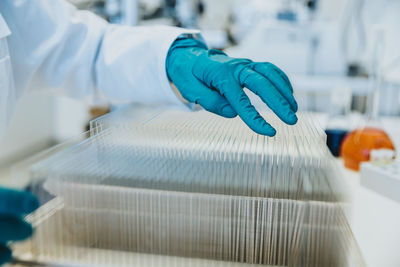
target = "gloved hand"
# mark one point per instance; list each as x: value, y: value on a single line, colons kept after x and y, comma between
x: 13, y: 204
x: 215, y: 81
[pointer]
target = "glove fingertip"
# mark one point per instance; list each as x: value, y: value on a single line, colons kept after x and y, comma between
x: 30, y: 203
x: 266, y: 129
x: 269, y: 131
x: 26, y: 231
x: 228, y: 112
x: 292, y: 119
x: 5, y: 255
x: 296, y: 106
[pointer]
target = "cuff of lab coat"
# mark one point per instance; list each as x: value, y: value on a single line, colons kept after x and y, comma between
x: 130, y: 66
x: 172, y: 34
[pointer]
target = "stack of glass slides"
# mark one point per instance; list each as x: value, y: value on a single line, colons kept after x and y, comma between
x: 192, y: 189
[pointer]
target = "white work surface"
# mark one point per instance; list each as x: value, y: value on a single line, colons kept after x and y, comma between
x: 375, y: 221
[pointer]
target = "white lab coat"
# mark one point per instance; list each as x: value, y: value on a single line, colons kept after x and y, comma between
x: 53, y: 45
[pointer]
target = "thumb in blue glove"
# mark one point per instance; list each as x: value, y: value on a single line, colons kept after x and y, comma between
x: 215, y: 81
x: 13, y: 205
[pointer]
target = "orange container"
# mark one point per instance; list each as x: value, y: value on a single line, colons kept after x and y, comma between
x: 358, y: 144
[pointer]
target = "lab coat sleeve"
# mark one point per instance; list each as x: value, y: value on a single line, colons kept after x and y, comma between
x: 54, y: 45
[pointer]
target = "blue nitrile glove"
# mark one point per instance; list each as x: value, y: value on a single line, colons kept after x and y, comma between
x: 13, y: 205
x: 215, y: 81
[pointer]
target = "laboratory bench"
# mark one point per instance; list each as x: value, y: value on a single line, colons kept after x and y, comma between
x: 375, y: 222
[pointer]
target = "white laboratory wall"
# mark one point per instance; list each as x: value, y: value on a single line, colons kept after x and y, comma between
x: 41, y: 120
x: 331, y: 10
x: 382, y: 15
x: 70, y: 119
x: 30, y: 128
x: 217, y: 14
x: 309, y: 46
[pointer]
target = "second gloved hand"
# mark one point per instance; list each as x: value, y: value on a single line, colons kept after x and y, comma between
x: 13, y: 205
x: 215, y: 81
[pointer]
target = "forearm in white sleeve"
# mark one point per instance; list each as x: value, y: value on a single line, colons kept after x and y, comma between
x: 54, y: 45
x: 131, y: 63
